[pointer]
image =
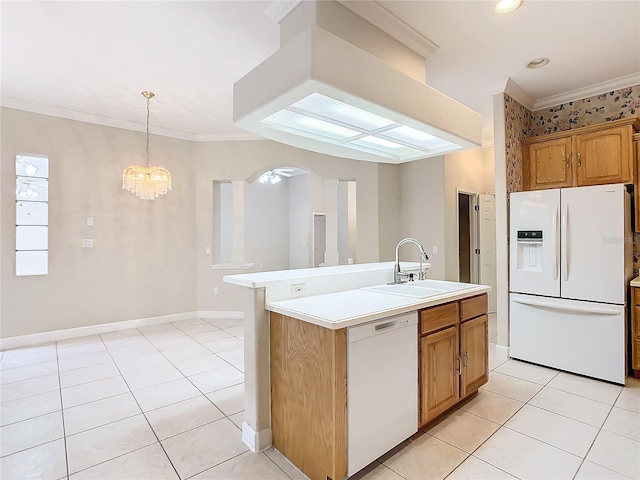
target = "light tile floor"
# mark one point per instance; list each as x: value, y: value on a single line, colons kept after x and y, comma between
x: 166, y: 401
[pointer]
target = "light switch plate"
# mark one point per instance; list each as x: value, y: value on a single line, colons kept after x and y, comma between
x: 87, y: 242
x: 89, y: 221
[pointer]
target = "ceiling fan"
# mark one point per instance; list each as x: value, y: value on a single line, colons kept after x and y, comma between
x: 274, y: 176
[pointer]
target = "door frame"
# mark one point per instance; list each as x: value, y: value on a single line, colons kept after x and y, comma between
x: 474, y: 262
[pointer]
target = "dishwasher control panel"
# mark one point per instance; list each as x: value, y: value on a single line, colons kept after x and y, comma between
x: 388, y: 324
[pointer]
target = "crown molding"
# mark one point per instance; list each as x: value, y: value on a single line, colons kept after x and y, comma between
x: 279, y: 9
x: 589, y: 91
x: 68, y: 114
x: 379, y: 16
x: 519, y: 94
x: 59, y: 112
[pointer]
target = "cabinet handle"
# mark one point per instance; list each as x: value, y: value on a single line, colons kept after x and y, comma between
x: 568, y: 158
x: 466, y: 360
x: 579, y: 159
x: 459, y: 366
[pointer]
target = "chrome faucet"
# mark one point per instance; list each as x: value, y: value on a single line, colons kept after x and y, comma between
x: 398, y: 276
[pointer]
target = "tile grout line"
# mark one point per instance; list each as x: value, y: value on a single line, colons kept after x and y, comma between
x: 553, y: 446
x: 596, y: 438
x: 218, y: 464
x: 264, y: 452
x: 144, y: 413
x: 64, y: 432
x: 558, y: 390
x: 148, y: 423
x: 204, y: 394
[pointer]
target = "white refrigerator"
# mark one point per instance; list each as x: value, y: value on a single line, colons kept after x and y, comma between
x: 570, y: 267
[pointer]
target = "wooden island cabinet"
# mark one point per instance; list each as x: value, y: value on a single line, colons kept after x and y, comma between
x: 453, y: 354
x: 309, y: 379
x: 594, y: 155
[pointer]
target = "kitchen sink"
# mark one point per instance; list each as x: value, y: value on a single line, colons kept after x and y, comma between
x: 420, y: 288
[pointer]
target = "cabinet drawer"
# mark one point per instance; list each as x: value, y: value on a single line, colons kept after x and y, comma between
x: 473, y: 307
x: 635, y: 323
x: 438, y: 317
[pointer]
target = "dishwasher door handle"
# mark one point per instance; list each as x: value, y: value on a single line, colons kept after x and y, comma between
x: 384, y: 326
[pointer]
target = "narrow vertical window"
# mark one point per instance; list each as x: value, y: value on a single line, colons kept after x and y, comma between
x: 32, y: 215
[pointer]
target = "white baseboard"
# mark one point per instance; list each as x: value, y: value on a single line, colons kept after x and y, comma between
x: 256, y: 441
x: 502, y: 350
x: 220, y: 314
x: 55, y: 335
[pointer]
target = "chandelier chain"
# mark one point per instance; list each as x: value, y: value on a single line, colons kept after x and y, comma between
x: 148, y: 101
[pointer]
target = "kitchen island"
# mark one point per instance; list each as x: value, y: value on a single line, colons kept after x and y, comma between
x: 296, y: 364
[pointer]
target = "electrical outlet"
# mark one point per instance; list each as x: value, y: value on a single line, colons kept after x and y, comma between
x: 87, y: 242
x: 297, y: 290
x: 216, y: 291
x: 435, y: 250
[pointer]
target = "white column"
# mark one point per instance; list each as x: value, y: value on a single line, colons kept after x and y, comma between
x: 331, y: 208
x: 256, y: 427
x: 237, y: 248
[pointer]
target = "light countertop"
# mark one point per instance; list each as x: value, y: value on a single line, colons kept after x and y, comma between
x: 635, y: 282
x: 262, y: 279
x: 353, y: 307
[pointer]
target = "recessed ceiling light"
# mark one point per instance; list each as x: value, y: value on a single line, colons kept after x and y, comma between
x: 506, y: 6
x: 538, y: 62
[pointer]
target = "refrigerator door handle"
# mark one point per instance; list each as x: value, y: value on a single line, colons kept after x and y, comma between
x: 566, y: 308
x: 564, y: 260
x: 556, y: 238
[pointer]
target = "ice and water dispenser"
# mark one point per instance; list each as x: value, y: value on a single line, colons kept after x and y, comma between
x: 529, y: 246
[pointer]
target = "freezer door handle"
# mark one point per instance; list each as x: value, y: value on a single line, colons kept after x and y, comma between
x: 565, y: 261
x: 556, y: 246
x: 567, y: 308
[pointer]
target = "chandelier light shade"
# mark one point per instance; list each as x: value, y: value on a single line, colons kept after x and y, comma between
x: 146, y: 182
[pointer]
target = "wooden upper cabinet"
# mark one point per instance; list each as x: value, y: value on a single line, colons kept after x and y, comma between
x: 595, y: 155
x: 636, y: 161
x: 604, y: 156
x: 550, y: 164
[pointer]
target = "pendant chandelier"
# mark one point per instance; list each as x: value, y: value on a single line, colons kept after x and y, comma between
x: 146, y: 182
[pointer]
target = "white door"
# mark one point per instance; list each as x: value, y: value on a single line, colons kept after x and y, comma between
x: 534, y: 242
x: 487, y: 245
x: 319, y: 238
x: 593, y: 243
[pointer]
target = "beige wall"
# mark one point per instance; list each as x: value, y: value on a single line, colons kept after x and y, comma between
x: 468, y: 171
x: 389, y: 208
x: 142, y: 263
x: 149, y: 257
x: 423, y: 212
x: 245, y: 161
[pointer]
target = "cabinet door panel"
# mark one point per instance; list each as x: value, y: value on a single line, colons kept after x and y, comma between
x: 550, y: 164
x: 473, y: 348
x: 439, y: 389
x: 636, y: 170
x: 604, y: 156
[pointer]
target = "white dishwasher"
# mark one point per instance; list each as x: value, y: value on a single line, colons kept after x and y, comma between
x: 382, y: 387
